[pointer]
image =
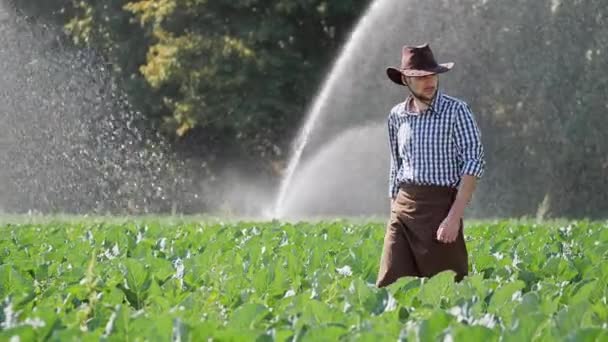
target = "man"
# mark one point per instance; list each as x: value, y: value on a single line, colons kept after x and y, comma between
x: 436, y: 159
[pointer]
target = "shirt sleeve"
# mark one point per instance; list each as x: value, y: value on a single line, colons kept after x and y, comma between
x: 394, y: 164
x: 468, y: 143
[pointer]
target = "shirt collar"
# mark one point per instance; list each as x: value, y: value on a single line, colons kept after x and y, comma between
x: 435, y: 104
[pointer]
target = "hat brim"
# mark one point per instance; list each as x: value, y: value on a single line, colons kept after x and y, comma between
x: 395, y: 74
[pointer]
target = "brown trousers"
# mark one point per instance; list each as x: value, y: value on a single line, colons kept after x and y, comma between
x: 411, y: 247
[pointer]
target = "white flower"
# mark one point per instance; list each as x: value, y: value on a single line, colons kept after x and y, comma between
x: 179, y: 269
x: 516, y: 297
x: 487, y: 321
x: 139, y: 237
x: 345, y: 271
x: 391, y: 303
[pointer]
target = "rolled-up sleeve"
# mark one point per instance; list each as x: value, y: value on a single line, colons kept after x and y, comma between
x: 468, y: 142
x: 394, y: 164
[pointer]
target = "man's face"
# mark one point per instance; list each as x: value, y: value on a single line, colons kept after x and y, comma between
x: 423, y: 86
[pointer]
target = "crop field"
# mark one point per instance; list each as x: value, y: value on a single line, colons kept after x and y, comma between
x: 161, y: 280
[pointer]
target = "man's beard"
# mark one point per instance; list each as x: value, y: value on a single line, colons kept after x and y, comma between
x: 421, y: 97
x: 424, y: 98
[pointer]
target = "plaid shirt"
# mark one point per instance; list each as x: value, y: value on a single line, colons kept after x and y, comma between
x: 436, y: 147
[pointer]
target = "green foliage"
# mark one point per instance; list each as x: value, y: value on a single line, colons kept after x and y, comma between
x: 239, y: 72
x: 306, y: 281
x: 231, y: 81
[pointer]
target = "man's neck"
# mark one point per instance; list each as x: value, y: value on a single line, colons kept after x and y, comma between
x: 416, y: 106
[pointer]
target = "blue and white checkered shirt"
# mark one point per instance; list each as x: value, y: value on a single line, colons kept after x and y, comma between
x: 435, y: 147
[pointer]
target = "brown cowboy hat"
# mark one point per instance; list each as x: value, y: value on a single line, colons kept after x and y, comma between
x: 417, y: 61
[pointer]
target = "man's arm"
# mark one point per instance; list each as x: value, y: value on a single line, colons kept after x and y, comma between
x: 448, y: 229
x: 471, y: 153
x: 463, y: 198
x: 394, y: 159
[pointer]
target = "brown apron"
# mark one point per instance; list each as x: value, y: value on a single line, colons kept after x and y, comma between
x: 411, y: 247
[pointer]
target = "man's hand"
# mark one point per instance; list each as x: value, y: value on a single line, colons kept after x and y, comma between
x: 448, y: 230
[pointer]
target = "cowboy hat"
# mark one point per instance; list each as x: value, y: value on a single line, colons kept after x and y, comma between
x: 417, y: 61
